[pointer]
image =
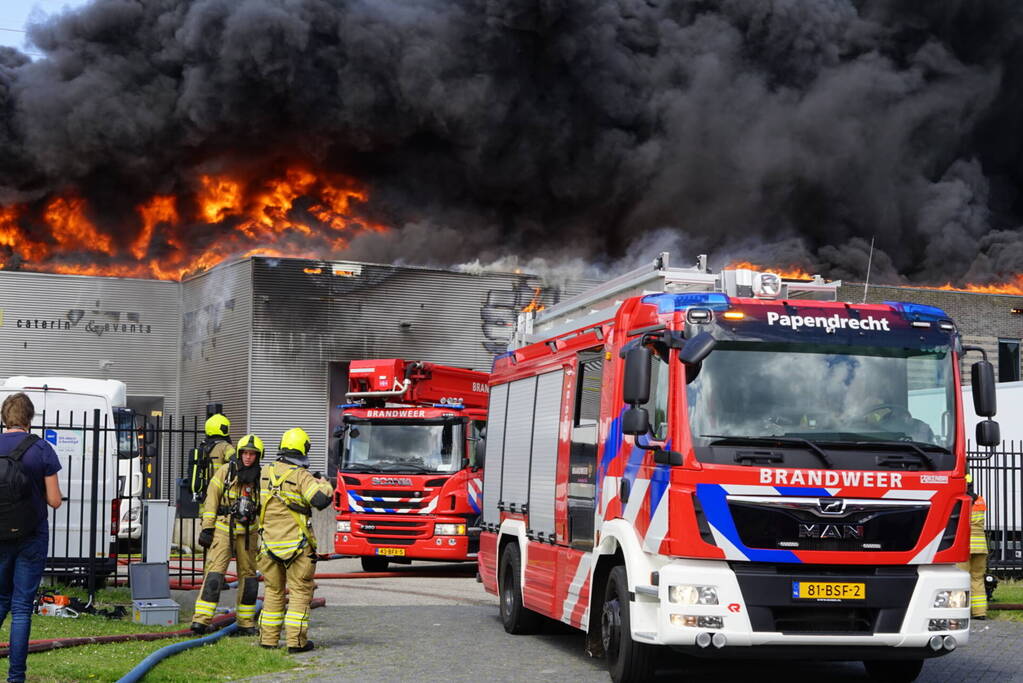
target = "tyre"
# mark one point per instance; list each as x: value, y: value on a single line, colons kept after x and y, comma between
x: 374, y: 564
x: 627, y: 660
x: 894, y: 670
x: 515, y: 616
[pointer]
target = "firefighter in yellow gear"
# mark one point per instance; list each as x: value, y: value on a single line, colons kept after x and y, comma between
x: 287, y: 552
x: 218, y: 433
x: 977, y: 564
x: 231, y: 527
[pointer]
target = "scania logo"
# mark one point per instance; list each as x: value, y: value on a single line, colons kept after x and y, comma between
x: 831, y: 531
x: 391, y: 481
x: 831, y: 506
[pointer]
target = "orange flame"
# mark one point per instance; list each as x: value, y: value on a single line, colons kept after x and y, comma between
x: 295, y: 213
x: 534, y: 304
x: 788, y: 272
x: 1014, y: 287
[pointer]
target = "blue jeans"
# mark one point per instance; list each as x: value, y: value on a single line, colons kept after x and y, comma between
x: 21, y: 568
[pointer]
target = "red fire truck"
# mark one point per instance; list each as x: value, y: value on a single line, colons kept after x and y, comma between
x: 734, y: 465
x: 409, y: 483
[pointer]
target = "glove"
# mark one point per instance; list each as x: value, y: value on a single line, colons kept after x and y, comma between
x: 206, y: 538
x: 317, y: 475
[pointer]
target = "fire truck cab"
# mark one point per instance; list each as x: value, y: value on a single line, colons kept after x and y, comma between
x: 735, y: 465
x: 410, y: 462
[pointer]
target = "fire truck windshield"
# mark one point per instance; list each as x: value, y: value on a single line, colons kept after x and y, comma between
x: 403, y: 446
x: 821, y: 394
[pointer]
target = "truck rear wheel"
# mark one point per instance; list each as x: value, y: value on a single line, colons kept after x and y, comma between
x: 374, y: 564
x: 627, y: 660
x: 894, y: 670
x: 515, y: 616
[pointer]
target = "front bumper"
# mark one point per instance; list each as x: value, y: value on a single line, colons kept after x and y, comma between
x: 755, y: 616
x: 404, y: 543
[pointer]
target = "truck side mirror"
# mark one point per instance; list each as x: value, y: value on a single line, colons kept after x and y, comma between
x: 982, y: 379
x: 697, y: 348
x: 636, y: 383
x: 988, y: 433
x: 635, y: 421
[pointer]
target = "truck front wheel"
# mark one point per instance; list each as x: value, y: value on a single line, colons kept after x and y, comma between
x: 894, y: 670
x: 374, y: 564
x: 515, y: 617
x: 627, y: 660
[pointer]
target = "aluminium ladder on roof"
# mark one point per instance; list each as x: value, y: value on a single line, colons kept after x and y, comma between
x: 601, y: 302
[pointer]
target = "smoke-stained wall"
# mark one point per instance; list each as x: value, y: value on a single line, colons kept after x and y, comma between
x: 307, y: 315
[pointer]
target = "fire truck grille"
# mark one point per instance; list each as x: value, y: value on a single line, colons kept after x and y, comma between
x: 782, y: 524
x: 378, y: 500
x: 390, y: 493
x: 385, y: 531
x: 816, y: 619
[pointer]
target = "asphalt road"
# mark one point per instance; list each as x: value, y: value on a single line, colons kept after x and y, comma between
x: 448, y: 629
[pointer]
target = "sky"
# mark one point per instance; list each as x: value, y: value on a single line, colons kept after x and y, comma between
x: 14, y: 14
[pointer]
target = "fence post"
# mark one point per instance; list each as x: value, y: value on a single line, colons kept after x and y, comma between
x: 93, y: 507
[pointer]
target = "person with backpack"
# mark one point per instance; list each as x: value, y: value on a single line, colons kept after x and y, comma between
x: 28, y: 483
x: 229, y: 520
x: 287, y: 554
x: 214, y: 451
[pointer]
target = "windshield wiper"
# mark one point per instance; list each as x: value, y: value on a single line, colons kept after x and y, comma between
x: 779, y: 440
x: 914, y: 447
x: 399, y: 467
x: 357, y: 467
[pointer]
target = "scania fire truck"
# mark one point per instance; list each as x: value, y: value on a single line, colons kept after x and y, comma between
x: 733, y: 464
x: 409, y: 483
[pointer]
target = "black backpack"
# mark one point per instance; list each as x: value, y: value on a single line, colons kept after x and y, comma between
x: 18, y: 518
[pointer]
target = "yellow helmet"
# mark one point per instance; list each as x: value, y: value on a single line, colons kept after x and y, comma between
x: 251, y: 442
x: 295, y: 440
x: 218, y: 425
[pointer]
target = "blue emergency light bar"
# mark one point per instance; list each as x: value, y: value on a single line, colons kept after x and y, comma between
x: 453, y: 406
x: 351, y: 405
x: 918, y: 312
x: 669, y: 303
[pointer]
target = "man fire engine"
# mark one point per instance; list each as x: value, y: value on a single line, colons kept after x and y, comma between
x: 736, y: 466
x: 410, y: 465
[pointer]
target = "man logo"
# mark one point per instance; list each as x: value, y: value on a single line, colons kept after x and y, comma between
x: 831, y: 506
x: 831, y: 531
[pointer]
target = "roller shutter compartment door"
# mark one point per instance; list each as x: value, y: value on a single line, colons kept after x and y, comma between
x: 545, y: 452
x: 494, y: 454
x: 518, y: 444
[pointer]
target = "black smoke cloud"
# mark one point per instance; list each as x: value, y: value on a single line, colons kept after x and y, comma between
x: 789, y: 131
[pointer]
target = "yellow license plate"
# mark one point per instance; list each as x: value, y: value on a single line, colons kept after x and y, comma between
x: 827, y: 590
x: 392, y: 552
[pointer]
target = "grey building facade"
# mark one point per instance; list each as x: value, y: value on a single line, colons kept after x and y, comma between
x: 269, y: 338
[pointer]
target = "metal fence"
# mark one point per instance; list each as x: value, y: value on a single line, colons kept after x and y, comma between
x: 997, y: 477
x: 107, y: 471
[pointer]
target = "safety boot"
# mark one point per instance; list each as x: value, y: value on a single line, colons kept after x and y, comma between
x: 305, y: 648
x: 200, y: 629
x: 244, y: 631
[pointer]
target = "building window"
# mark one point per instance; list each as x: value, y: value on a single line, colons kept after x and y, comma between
x: 1008, y: 360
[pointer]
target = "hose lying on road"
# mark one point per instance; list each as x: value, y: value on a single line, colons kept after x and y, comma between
x: 57, y: 643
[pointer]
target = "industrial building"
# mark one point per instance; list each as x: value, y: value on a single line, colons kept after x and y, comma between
x: 271, y: 338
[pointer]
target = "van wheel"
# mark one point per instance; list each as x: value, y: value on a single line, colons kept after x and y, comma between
x: 894, y: 670
x: 627, y: 660
x: 374, y: 564
x: 514, y: 615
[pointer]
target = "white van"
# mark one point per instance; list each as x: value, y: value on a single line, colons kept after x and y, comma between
x: 65, y: 409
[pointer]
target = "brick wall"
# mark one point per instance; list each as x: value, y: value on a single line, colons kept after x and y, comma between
x: 982, y: 319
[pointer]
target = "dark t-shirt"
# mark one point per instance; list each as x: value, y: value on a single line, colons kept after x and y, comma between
x: 39, y: 461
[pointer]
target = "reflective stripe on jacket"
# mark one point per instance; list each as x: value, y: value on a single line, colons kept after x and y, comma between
x: 978, y: 514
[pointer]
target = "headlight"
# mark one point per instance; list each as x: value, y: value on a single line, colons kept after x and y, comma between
x: 449, y: 529
x: 344, y: 527
x: 952, y: 598
x: 693, y: 595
